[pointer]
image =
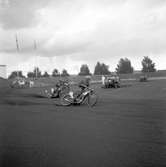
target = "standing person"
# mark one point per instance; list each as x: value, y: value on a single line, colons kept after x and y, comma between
x: 103, y: 80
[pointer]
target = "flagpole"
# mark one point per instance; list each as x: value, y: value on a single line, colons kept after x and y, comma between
x: 35, y: 48
x: 17, y: 47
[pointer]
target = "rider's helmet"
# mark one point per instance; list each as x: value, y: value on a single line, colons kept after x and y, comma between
x: 59, y: 83
x: 83, y: 84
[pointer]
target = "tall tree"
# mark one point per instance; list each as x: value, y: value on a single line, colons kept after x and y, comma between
x: 64, y: 73
x: 101, y: 69
x: 30, y: 75
x: 37, y: 72
x: 45, y: 74
x: 84, y: 70
x: 15, y: 74
x: 124, y: 66
x: 55, y: 73
x: 148, y: 65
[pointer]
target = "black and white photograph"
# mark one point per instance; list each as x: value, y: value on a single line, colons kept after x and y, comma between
x: 82, y: 83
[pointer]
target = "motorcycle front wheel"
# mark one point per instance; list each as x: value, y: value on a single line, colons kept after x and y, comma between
x: 92, y: 99
x: 66, y: 100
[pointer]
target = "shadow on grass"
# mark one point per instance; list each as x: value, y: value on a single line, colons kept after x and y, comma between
x: 126, y: 85
x: 121, y: 86
x: 37, y: 96
x: 19, y: 102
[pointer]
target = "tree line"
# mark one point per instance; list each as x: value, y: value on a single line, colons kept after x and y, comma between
x: 36, y: 73
x: 123, y: 67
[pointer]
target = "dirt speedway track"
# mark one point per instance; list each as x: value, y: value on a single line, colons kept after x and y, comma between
x: 127, y: 128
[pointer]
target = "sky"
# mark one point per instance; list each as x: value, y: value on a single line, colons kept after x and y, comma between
x: 68, y: 34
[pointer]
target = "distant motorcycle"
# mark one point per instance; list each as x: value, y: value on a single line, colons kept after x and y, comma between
x: 112, y: 82
x: 88, y: 95
x: 143, y: 78
x: 18, y: 83
x: 21, y: 83
x: 60, y: 89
